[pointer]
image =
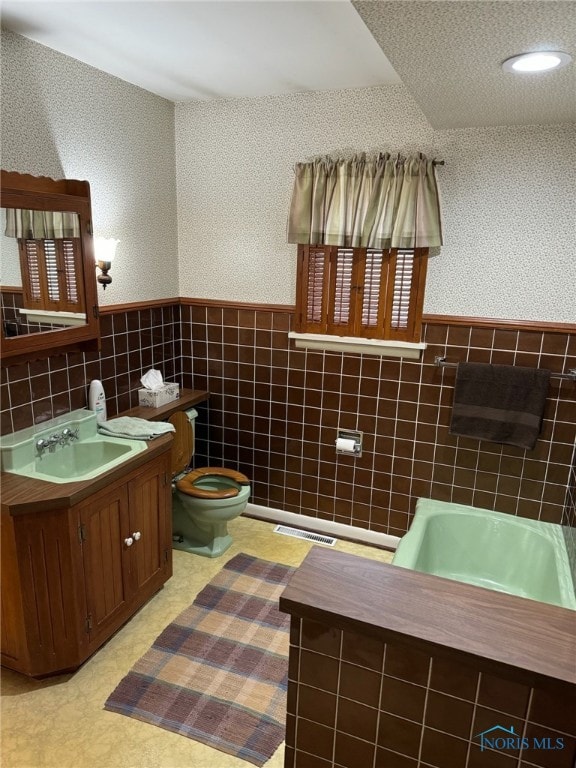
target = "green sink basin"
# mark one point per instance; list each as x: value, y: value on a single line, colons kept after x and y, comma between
x: 83, y: 460
x: 85, y: 457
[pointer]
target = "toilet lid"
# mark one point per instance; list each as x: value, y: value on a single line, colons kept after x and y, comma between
x: 183, y: 443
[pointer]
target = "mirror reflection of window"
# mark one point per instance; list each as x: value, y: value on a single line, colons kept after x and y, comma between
x: 50, y: 270
x: 56, y: 255
x: 41, y: 271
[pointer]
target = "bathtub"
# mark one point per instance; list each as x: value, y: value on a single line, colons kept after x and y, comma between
x: 497, y: 551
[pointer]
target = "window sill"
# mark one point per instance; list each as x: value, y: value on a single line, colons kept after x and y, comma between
x: 45, y: 317
x: 322, y: 341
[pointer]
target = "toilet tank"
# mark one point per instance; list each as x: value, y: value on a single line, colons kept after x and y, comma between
x: 183, y: 444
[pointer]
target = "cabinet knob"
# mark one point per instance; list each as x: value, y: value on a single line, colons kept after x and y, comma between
x: 129, y: 541
x: 136, y: 535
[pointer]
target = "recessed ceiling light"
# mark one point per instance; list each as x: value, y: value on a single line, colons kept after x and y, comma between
x: 540, y: 61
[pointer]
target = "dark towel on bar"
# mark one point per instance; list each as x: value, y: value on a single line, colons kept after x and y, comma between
x: 500, y: 403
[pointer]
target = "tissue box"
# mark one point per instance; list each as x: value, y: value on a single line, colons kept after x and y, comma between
x: 152, y: 398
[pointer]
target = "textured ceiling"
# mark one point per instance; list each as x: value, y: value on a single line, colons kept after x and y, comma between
x: 448, y: 54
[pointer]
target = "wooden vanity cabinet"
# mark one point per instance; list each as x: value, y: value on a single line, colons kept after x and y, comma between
x: 71, y: 577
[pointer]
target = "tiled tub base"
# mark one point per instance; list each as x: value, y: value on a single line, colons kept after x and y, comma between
x: 358, y: 699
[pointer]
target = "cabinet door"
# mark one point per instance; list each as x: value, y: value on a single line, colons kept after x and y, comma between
x: 149, y: 512
x: 106, y: 556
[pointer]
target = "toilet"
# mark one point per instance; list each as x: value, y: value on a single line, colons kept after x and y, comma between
x: 204, y: 500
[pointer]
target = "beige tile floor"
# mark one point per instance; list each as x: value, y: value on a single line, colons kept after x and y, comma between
x: 61, y: 723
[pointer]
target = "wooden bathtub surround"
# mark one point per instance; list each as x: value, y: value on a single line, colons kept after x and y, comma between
x: 72, y: 571
x: 512, y: 635
x: 381, y: 656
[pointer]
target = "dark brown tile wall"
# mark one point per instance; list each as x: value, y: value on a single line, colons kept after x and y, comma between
x: 11, y: 302
x: 14, y: 322
x: 132, y: 343
x: 355, y: 700
x: 274, y: 411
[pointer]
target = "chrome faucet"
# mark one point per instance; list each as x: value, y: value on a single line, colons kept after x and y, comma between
x: 41, y: 446
x: 53, y: 441
x: 68, y: 435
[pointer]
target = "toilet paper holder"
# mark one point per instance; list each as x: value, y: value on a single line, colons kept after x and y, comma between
x: 349, y: 442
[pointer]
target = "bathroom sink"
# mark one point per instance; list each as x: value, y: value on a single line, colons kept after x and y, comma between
x: 82, y: 461
x: 79, y: 453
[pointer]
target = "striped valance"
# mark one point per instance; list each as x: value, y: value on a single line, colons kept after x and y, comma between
x: 28, y: 224
x: 389, y: 201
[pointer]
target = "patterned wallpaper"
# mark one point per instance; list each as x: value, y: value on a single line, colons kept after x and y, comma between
x: 234, y: 179
x: 510, y: 224
x: 508, y: 195
x: 62, y: 118
x: 508, y: 198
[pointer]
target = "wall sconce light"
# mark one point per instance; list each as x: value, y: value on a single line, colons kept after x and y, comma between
x: 105, y: 248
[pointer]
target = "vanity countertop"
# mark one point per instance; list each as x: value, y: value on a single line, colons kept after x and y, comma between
x: 22, y: 495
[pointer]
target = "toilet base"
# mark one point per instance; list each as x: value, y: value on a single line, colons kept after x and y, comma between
x: 200, y: 526
x: 206, y: 546
x: 197, y: 537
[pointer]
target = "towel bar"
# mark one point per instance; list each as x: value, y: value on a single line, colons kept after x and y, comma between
x: 440, y: 362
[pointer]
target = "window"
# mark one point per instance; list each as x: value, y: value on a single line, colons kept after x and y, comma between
x: 361, y: 292
x: 51, y: 270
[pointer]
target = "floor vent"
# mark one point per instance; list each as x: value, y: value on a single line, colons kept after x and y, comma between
x: 318, y: 538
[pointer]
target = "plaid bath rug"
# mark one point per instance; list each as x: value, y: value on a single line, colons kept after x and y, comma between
x: 218, y: 673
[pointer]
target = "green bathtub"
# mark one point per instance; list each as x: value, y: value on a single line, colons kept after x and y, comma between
x: 511, y: 554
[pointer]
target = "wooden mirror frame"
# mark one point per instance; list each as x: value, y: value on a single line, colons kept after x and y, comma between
x: 45, y: 194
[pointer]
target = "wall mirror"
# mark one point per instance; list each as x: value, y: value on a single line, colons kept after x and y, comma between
x: 47, y: 268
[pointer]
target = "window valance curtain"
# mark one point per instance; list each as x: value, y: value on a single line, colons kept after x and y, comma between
x: 41, y: 225
x: 385, y: 202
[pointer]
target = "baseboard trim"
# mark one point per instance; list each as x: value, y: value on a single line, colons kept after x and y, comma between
x: 318, y: 525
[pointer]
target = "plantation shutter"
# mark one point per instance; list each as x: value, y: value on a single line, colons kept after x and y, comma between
x: 52, y: 281
x: 312, y: 296
x: 405, y: 297
x: 71, y: 265
x: 360, y: 292
x: 31, y: 267
x: 51, y: 270
x: 375, y: 280
x: 342, y: 286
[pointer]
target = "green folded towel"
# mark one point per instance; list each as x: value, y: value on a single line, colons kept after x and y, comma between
x: 135, y: 428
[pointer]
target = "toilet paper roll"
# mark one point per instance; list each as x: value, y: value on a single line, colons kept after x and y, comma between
x: 345, y: 445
